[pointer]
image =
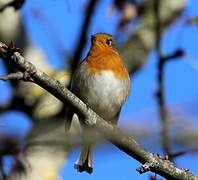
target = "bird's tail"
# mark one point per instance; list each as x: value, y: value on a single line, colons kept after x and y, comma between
x: 84, y: 162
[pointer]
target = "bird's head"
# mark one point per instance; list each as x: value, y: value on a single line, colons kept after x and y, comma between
x: 103, y: 41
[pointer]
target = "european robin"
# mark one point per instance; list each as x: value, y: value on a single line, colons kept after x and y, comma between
x: 102, y: 82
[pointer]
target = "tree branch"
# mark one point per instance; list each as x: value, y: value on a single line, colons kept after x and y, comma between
x: 16, y: 4
x: 124, y: 142
x: 138, y: 46
x: 82, y: 40
x: 160, y: 95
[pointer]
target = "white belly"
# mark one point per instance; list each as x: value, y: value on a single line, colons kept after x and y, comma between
x: 103, y: 92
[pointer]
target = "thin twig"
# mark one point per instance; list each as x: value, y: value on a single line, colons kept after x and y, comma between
x: 178, y: 53
x: 183, y: 152
x: 160, y: 95
x: 12, y: 76
x: 83, y: 36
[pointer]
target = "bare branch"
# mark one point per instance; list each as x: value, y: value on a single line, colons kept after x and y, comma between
x: 166, y: 142
x: 137, y: 48
x: 82, y: 40
x: 183, y: 152
x: 173, y: 56
x: 113, y: 134
x: 12, y: 76
x: 16, y: 4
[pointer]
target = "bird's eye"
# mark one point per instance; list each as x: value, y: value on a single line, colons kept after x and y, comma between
x: 109, y: 42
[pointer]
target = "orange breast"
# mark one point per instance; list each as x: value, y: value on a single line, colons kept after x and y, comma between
x: 107, y: 60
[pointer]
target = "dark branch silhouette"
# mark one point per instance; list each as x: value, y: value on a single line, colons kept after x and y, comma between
x: 166, y: 141
x: 16, y: 4
x: 83, y: 35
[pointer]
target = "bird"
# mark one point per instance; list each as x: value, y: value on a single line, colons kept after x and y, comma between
x: 103, y: 83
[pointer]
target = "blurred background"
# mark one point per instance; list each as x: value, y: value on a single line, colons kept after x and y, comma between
x: 158, y: 42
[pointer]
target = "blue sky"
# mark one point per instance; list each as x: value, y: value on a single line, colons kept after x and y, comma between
x: 60, y: 25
